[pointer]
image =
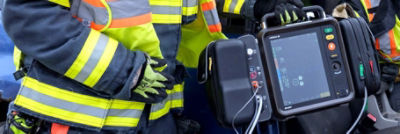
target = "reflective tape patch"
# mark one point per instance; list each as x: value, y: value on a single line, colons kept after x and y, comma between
x: 77, y: 108
x: 188, y: 11
x: 211, y: 17
x: 62, y: 104
x: 166, y: 19
x: 233, y: 6
x: 95, y: 3
x: 93, y: 60
x: 176, y: 3
x: 189, y: 7
x: 166, y: 14
x: 64, y: 3
x: 121, y: 121
x: 189, y: 3
x: 166, y: 10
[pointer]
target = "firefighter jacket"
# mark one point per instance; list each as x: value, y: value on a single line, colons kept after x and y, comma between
x: 384, y: 23
x: 84, y: 56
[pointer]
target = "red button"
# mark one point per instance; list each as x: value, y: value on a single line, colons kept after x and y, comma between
x: 253, y: 75
x: 331, y: 46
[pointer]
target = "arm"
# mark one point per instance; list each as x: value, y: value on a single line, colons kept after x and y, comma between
x: 244, y: 8
x: 48, y: 33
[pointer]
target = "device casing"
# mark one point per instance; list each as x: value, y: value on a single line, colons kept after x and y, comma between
x: 269, y: 65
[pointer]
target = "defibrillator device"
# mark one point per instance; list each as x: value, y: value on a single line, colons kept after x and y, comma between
x: 295, y: 68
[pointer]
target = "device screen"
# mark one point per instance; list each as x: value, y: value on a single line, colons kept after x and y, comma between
x: 300, y: 68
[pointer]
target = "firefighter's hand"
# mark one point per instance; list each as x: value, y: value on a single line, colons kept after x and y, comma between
x: 286, y: 11
x: 152, y: 86
x: 289, y: 12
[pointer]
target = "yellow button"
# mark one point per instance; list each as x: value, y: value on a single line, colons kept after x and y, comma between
x: 330, y: 37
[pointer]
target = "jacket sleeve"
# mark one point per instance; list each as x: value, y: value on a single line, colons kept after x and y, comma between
x: 244, y: 8
x: 48, y: 33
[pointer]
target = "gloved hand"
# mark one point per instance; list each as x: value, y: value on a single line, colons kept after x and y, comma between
x: 389, y: 72
x: 286, y: 11
x: 152, y: 85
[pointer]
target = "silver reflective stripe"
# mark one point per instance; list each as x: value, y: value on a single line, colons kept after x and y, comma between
x: 211, y: 17
x: 161, y: 105
x: 93, y: 59
x: 232, y: 6
x: 189, y: 3
x: 62, y: 104
x: 375, y: 3
x: 165, y: 10
x: 97, y: 14
x: 129, y: 8
x: 178, y: 95
x: 133, y: 113
x: 396, y: 58
x: 384, y: 43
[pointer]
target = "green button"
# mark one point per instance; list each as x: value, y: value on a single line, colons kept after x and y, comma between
x: 361, y: 70
x: 328, y: 30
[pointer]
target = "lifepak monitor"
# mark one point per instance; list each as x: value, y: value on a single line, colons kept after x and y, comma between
x: 306, y: 64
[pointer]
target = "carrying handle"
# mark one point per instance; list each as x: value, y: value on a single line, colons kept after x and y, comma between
x: 317, y: 10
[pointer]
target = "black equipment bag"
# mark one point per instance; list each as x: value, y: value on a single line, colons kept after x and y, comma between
x: 219, y: 74
x: 362, y: 54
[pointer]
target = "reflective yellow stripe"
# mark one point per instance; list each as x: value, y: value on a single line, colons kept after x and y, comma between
x: 103, y: 63
x: 238, y: 6
x: 122, y: 104
x: 226, y: 6
x: 64, y: 3
x: 365, y: 8
x: 58, y: 113
x: 121, y: 121
x: 64, y: 94
x: 157, y: 114
x: 396, y: 32
x: 17, y: 57
x: 84, y: 55
x: 176, y: 88
x: 177, y: 3
x: 188, y: 11
x: 166, y: 18
x: 177, y: 103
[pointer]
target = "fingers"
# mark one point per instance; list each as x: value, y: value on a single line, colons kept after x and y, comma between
x: 286, y: 13
x: 157, y: 62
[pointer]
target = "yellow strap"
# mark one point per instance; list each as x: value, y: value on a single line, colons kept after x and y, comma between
x: 64, y: 3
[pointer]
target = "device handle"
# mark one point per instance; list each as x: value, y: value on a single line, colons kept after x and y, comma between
x: 317, y: 10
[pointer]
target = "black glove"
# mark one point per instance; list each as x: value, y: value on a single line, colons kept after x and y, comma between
x: 389, y: 72
x: 152, y: 85
x: 286, y: 11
